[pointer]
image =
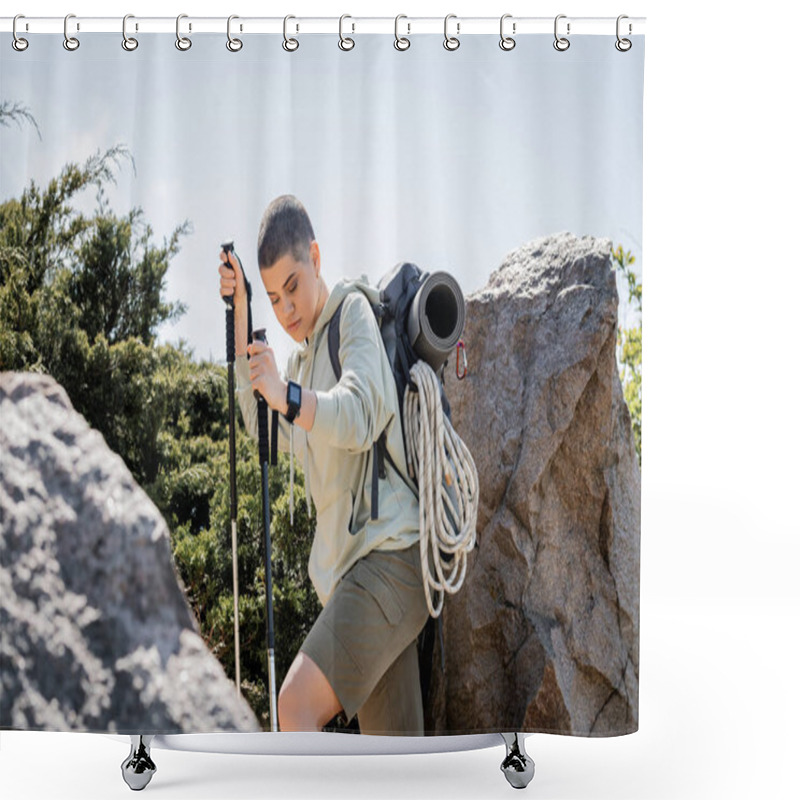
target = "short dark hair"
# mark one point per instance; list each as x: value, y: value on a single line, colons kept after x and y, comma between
x: 285, y: 228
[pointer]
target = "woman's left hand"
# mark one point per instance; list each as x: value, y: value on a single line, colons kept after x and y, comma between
x: 264, y: 375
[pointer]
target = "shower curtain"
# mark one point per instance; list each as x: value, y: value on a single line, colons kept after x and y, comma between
x: 515, y: 170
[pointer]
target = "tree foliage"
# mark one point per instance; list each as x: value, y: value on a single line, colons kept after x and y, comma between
x: 82, y: 298
x: 629, y: 347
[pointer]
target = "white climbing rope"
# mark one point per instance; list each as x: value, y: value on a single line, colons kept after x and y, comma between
x: 448, y: 487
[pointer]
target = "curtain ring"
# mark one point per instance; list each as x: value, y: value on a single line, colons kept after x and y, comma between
x: 451, y: 42
x: 290, y: 45
x: 623, y: 45
x: 234, y: 45
x: 70, y: 42
x: 506, y: 42
x: 345, y: 43
x: 561, y: 44
x: 401, y: 43
x: 128, y: 42
x: 19, y: 44
x: 181, y: 42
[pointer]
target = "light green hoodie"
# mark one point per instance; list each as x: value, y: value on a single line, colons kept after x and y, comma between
x: 337, y: 451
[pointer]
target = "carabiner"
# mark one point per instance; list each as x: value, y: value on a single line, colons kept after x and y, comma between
x: 461, y: 347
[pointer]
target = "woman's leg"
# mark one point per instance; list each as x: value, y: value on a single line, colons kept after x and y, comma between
x: 306, y: 701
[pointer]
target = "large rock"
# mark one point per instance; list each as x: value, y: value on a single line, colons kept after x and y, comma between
x: 544, y: 635
x: 95, y: 632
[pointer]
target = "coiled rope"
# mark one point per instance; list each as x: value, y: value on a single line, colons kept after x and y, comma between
x: 448, y: 488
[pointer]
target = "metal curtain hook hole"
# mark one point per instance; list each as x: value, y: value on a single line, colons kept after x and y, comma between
x: 561, y: 43
x: 71, y: 43
x: 18, y: 43
x: 183, y: 43
x: 290, y: 45
x: 128, y: 42
x: 400, y: 42
x: 451, y: 42
x: 346, y: 43
x: 623, y: 45
x: 233, y: 45
x: 507, y: 42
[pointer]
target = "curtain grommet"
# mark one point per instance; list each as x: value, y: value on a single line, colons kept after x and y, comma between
x: 289, y: 45
x: 561, y: 43
x: 183, y: 43
x: 400, y: 42
x: 451, y: 43
x: 71, y: 43
x: 507, y: 42
x: 18, y: 42
x: 345, y: 42
x: 234, y: 45
x: 623, y: 45
x: 128, y: 42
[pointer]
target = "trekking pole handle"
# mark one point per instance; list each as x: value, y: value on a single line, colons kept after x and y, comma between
x: 230, y: 321
x: 227, y: 248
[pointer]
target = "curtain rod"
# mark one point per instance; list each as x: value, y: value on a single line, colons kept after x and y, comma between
x: 461, y: 26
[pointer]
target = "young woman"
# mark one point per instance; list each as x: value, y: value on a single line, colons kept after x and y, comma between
x: 360, y: 656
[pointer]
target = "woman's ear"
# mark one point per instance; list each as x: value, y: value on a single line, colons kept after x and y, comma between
x: 315, y: 257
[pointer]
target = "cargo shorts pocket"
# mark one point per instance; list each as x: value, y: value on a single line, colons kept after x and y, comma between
x: 373, y: 580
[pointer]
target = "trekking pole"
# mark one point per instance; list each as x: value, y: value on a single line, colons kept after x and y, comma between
x: 263, y: 456
x: 227, y: 248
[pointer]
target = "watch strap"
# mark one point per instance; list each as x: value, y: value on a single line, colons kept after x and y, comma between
x: 293, y: 406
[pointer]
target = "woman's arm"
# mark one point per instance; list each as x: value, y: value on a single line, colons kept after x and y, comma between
x: 249, y: 407
x: 353, y: 413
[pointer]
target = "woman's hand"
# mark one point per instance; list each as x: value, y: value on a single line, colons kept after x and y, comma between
x: 264, y: 376
x: 231, y: 283
x: 231, y: 279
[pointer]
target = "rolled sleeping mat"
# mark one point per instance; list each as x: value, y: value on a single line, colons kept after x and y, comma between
x: 436, y: 319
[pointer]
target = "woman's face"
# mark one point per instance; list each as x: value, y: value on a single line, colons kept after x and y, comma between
x: 293, y: 288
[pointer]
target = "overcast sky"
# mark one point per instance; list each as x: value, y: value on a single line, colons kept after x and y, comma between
x: 447, y: 159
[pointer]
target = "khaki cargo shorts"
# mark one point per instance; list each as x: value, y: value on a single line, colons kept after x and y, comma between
x: 365, y: 642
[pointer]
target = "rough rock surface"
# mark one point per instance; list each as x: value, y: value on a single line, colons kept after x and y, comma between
x: 544, y: 635
x: 95, y: 632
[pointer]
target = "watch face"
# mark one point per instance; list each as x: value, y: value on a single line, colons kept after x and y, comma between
x: 295, y: 394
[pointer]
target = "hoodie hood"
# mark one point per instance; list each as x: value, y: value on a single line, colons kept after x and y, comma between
x: 340, y: 290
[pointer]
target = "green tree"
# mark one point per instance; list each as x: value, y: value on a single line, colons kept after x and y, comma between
x: 629, y: 347
x: 16, y: 113
x: 82, y: 298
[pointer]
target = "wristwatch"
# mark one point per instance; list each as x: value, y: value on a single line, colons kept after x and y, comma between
x: 294, y: 394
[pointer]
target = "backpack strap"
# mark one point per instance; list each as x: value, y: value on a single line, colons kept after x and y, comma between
x: 378, y: 447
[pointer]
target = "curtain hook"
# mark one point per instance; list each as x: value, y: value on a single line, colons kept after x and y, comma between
x: 19, y: 44
x: 401, y: 43
x: 561, y: 44
x: 234, y: 45
x: 128, y: 42
x: 290, y: 45
x: 70, y: 42
x: 451, y: 42
x: 182, y: 42
x: 346, y: 43
x: 507, y: 42
x: 623, y: 45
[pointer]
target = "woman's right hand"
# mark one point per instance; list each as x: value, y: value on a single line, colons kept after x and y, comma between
x: 231, y: 279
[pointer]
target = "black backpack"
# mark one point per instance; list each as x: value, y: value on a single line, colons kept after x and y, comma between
x: 397, y: 290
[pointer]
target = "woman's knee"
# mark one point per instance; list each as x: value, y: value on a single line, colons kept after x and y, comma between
x: 306, y: 700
